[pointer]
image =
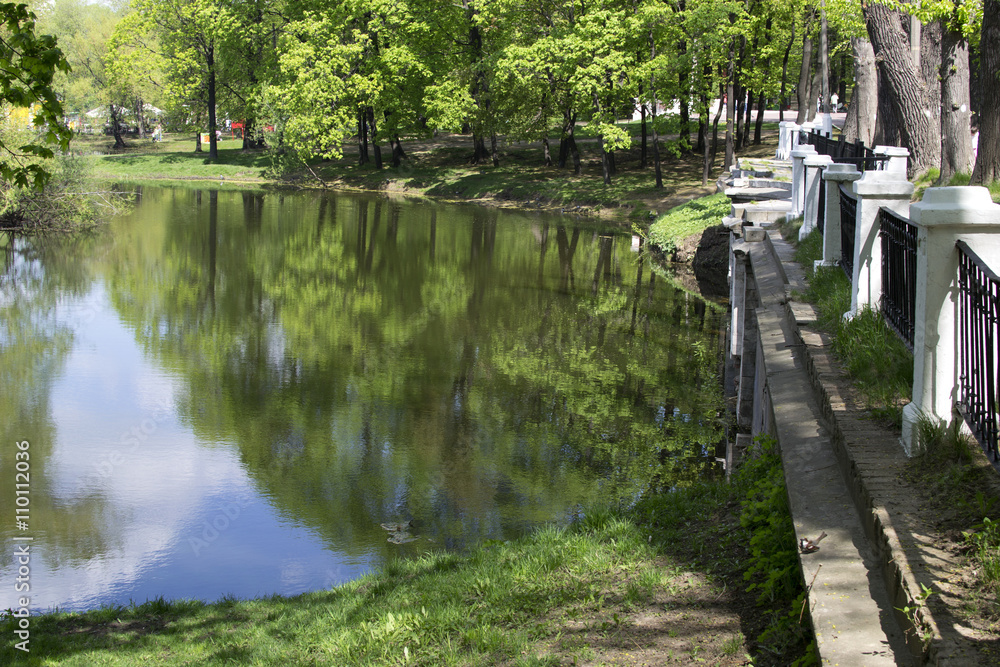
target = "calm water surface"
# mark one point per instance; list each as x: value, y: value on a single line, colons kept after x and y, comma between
x: 228, y: 393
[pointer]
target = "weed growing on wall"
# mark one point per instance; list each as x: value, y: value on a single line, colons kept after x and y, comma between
x: 773, y: 567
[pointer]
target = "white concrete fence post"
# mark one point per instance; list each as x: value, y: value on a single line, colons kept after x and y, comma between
x: 834, y: 175
x: 787, y: 139
x: 897, y: 161
x: 874, y: 190
x: 813, y: 166
x: 944, y: 216
x: 799, y: 154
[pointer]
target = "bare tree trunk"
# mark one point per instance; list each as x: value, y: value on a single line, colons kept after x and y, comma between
x: 759, y: 123
x: 956, y: 135
x: 887, y: 123
x: 730, y: 108
x: 802, y: 92
x: 782, y: 96
x: 909, y: 97
x: 987, y: 168
x: 376, y: 149
x: 642, y: 149
x: 362, y: 138
x: 213, y: 139
x: 710, y: 155
x: 860, y: 123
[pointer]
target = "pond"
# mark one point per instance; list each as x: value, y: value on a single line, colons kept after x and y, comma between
x: 246, y: 393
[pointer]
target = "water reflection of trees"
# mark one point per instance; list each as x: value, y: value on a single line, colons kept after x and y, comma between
x: 37, y: 276
x: 374, y: 358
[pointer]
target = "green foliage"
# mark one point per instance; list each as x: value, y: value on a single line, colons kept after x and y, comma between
x: 877, y: 360
x: 872, y: 353
x: 985, y: 541
x: 63, y: 205
x: 687, y: 219
x: 774, y: 563
x: 28, y: 63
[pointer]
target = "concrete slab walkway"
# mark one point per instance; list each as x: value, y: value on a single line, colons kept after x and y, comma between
x: 845, y: 477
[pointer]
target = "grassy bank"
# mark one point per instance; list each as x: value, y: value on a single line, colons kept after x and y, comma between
x: 663, y: 583
x: 437, y: 167
x: 687, y: 220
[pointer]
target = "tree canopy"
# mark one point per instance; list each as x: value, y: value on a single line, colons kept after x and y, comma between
x: 324, y: 74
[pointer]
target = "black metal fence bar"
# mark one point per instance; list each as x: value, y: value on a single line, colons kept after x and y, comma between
x: 848, y: 222
x: 899, y: 273
x: 821, y: 213
x: 855, y: 153
x: 979, y: 315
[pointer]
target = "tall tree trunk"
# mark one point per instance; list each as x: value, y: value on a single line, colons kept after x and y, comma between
x: 909, y: 94
x: 213, y: 140
x: 140, y: 116
x: 116, y: 130
x: 956, y: 135
x: 710, y: 155
x: 930, y: 46
x: 363, y: 158
x: 730, y: 108
x: 824, y: 61
x: 376, y: 149
x: 759, y: 125
x: 802, y: 93
x: 860, y: 123
x: 574, y: 151
x: 657, y: 164
x: 783, y: 96
x: 249, y: 127
x: 745, y: 141
x: 643, y: 160
x: 887, y: 123
x: 987, y: 168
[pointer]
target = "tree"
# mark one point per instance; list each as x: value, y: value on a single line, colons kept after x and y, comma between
x: 28, y: 63
x: 987, y: 169
x: 189, y: 33
x: 83, y: 31
x: 909, y: 96
x: 861, y: 114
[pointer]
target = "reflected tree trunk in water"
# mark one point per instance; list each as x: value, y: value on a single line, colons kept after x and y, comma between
x: 362, y: 241
x: 567, y: 248
x: 213, y: 242
x: 433, y: 239
x: 253, y: 210
x: 370, y: 254
x: 638, y: 287
x: 603, y: 267
x: 543, y: 244
x: 321, y: 217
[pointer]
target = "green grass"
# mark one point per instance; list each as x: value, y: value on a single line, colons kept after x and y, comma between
x: 688, y: 219
x: 555, y: 596
x: 174, y: 159
x: 873, y: 355
x: 442, y: 609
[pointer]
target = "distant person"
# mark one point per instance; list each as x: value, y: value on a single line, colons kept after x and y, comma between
x: 834, y: 100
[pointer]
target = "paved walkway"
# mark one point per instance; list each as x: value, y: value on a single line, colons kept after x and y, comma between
x: 845, y: 477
